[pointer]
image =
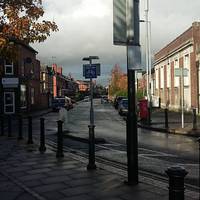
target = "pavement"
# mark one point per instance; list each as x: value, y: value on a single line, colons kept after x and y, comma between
x: 26, y: 174
x: 174, y: 123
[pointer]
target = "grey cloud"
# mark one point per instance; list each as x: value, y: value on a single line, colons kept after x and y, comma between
x: 81, y: 35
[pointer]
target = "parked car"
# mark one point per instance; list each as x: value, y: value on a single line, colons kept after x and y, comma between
x: 61, y: 102
x: 104, y: 99
x: 123, y: 107
x: 68, y: 103
x: 117, y: 100
x: 57, y: 103
x: 86, y: 99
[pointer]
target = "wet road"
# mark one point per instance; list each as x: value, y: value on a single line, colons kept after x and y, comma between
x: 157, y: 151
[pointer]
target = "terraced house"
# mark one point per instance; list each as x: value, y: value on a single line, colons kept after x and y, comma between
x: 177, y: 71
x: 20, y: 81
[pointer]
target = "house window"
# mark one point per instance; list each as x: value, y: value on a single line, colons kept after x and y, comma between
x: 157, y: 79
x: 187, y: 67
x: 32, y: 96
x: 22, y: 68
x: 176, y: 79
x: 8, y: 67
x: 23, y: 96
x: 9, y: 102
x: 162, y: 77
x: 168, y: 76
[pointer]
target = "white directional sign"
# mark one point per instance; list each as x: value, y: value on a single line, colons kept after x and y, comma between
x: 178, y: 72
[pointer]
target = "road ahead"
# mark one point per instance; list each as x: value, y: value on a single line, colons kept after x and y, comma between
x: 157, y: 151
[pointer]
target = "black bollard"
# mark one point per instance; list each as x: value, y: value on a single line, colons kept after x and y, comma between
x: 166, y: 118
x: 91, y: 164
x: 9, y: 126
x: 42, y: 147
x: 59, y: 153
x: 194, y: 121
x: 176, y: 176
x: 20, y: 131
x: 30, y: 136
x: 2, y: 126
x: 199, y: 165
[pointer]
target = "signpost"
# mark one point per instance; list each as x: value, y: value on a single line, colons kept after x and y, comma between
x: 91, y: 71
x: 126, y: 32
x: 181, y: 72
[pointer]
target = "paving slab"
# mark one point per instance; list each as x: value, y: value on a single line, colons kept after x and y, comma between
x: 33, y: 176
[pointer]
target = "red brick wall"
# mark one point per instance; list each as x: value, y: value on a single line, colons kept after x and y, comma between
x: 193, y: 35
x: 193, y: 74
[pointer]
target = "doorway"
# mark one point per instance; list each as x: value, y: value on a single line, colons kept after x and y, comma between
x: 9, y: 102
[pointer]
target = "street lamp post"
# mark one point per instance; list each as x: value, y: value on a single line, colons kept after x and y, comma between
x: 91, y: 126
x: 148, y: 56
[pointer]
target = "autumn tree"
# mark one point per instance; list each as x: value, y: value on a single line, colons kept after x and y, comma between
x: 20, y: 20
x: 118, y: 82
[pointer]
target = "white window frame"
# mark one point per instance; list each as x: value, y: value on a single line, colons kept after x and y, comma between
x: 25, y: 106
x: 176, y: 79
x: 32, y: 96
x: 162, y: 77
x: 5, y: 66
x: 187, y: 66
x: 157, y: 78
x: 13, y: 104
x: 168, y: 76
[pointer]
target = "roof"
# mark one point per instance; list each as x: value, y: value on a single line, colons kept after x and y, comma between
x: 23, y: 44
x: 175, y: 44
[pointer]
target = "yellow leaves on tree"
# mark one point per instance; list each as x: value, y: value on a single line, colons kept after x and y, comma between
x: 118, y: 82
x: 19, y: 20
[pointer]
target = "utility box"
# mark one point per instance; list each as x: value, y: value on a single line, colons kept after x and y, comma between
x: 143, y: 109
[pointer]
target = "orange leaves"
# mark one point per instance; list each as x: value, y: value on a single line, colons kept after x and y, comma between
x: 118, y: 80
x: 19, y: 19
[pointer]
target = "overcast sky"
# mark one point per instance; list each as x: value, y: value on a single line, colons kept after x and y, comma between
x: 86, y: 28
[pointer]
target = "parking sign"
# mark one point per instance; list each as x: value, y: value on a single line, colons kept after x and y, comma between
x: 91, y: 71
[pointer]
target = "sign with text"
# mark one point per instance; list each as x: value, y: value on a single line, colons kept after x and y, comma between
x: 134, y: 57
x: 125, y: 14
x: 91, y: 71
x: 178, y: 72
x: 119, y: 22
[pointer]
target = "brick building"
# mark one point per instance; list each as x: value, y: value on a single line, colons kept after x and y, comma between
x: 182, y: 53
x: 46, y: 85
x: 20, y: 81
x: 63, y: 85
x: 83, y: 86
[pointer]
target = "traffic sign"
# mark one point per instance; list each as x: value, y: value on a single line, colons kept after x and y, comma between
x: 91, y: 71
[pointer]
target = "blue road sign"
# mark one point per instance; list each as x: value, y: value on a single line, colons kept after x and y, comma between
x: 90, y: 72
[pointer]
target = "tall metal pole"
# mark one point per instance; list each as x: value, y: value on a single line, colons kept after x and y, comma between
x: 91, y: 100
x: 147, y: 45
x: 182, y: 99
x: 91, y: 164
x: 132, y: 134
x: 150, y: 62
